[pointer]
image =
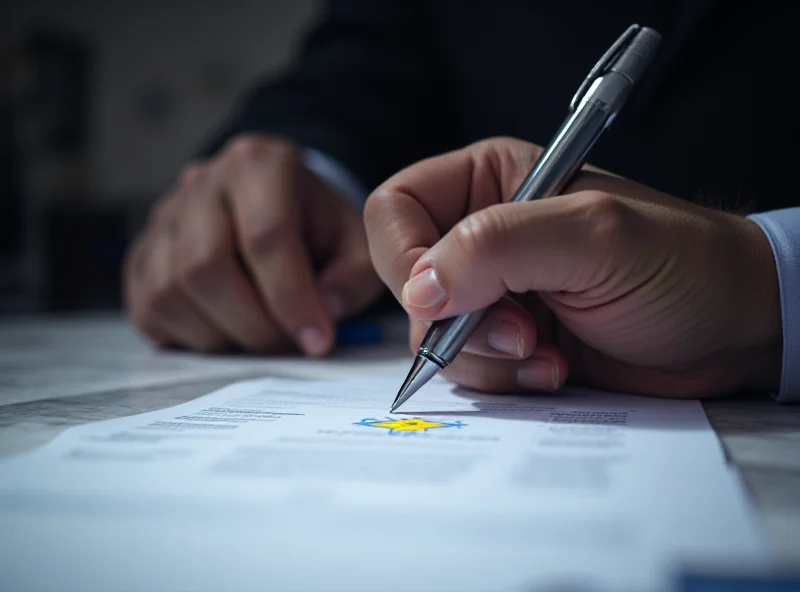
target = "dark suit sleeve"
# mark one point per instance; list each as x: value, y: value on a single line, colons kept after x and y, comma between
x: 366, y: 90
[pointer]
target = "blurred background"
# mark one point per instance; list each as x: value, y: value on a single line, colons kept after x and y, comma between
x: 100, y: 104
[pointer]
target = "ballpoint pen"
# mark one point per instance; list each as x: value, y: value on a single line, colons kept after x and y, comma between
x: 592, y: 110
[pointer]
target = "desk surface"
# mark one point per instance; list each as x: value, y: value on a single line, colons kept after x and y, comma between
x: 58, y: 373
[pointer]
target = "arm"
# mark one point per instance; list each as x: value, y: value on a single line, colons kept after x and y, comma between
x: 782, y: 228
x: 366, y: 92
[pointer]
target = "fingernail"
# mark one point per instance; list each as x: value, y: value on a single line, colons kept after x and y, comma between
x: 312, y: 340
x: 506, y: 337
x: 538, y: 375
x: 335, y: 305
x: 424, y: 290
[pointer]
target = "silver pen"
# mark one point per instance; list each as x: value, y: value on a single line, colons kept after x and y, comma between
x: 594, y: 106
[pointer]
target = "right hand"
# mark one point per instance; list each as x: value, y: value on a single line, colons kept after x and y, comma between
x: 611, y: 284
x: 250, y: 249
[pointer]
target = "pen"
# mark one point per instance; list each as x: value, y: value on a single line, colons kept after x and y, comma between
x: 593, y: 108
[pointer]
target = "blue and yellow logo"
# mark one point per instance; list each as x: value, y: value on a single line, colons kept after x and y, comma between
x: 407, y: 425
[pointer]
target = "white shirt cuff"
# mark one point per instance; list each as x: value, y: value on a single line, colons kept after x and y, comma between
x: 782, y: 228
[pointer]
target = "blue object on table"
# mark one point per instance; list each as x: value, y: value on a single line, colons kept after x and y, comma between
x: 359, y: 333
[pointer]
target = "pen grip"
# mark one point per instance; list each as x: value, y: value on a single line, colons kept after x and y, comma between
x: 446, y: 338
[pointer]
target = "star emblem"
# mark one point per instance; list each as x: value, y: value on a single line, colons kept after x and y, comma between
x: 410, y: 424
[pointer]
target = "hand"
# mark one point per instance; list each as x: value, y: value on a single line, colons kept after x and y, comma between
x: 612, y: 284
x: 250, y: 249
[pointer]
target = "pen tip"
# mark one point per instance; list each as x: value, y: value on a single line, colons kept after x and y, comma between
x: 397, y: 402
x: 421, y: 372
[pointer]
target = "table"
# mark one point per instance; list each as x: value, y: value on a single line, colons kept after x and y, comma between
x: 66, y: 371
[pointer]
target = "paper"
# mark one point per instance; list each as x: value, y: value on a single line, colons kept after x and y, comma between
x: 281, y: 484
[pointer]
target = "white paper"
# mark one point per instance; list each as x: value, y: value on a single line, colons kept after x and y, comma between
x: 280, y: 484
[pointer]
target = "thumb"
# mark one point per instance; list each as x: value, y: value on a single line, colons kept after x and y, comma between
x: 348, y: 281
x: 572, y: 244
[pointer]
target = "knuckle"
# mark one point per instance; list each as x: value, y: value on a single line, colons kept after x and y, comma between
x: 263, y: 237
x: 481, y: 234
x: 378, y: 208
x: 248, y: 148
x: 245, y: 148
x: 603, y: 214
x: 490, y: 142
x: 493, y: 149
x: 485, y: 153
x: 192, y: 174
x: 284, y: 151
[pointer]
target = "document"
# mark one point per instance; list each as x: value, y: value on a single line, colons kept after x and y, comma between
x: 281, y: 484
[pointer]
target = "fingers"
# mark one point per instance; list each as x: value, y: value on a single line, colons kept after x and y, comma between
x: 244, y: 254
x: 158, y: 304
x: 348, y: 280
x: 410, y: 212
x: 184, y: 285
x: 502, y: 355
x: 349, y: 283
x: 134, y: 276
x: 508, y: 331
x: 444, y: 242
x: 265, y: 184
x: 204, y: 259
x: 545, y: 371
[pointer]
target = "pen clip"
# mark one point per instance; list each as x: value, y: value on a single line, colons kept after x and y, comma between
x: 605, y: 62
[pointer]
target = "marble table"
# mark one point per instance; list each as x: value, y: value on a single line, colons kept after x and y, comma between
x: 60, y: 372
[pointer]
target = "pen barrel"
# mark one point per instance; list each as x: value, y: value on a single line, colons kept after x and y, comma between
x: 566, y: 153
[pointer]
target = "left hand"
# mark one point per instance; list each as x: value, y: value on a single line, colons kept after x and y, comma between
x: 611, y: 284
